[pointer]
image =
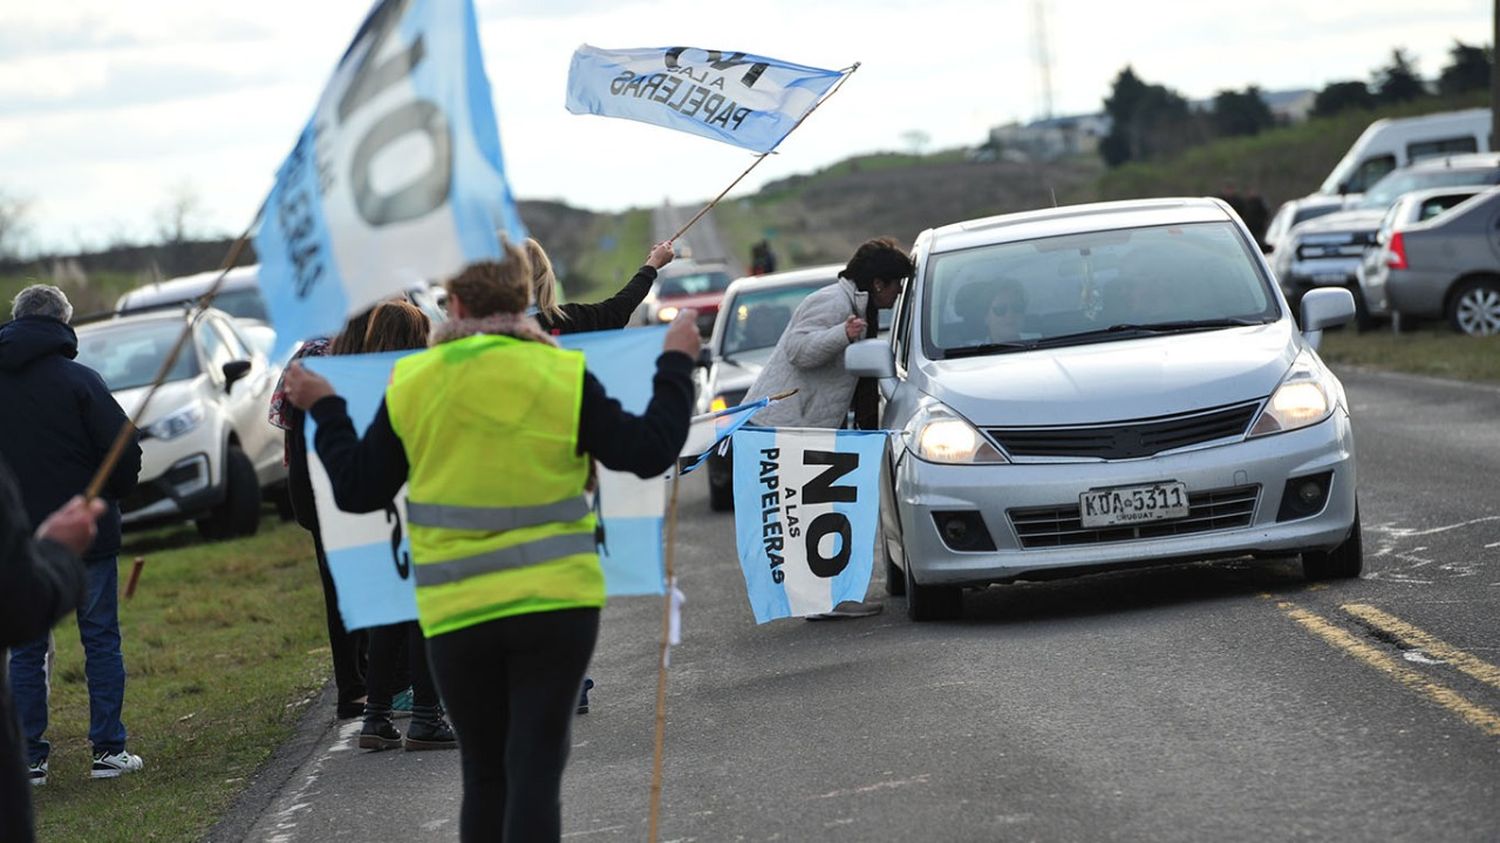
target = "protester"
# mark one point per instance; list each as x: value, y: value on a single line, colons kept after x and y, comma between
x: 493, y: 429
x: 762, y: 259
x: 396, y: 326
x: 44, y: 579
x: 349, y: 650
x: 59, y: 423
x: 809, y: 357
x: 575, y: 317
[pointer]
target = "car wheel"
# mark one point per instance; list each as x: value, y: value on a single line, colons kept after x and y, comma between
x: 1363, y: 321
x: 720, y: 485
x: 1474, y: 308
x: 239, y: 514
x: 1342, y: 563
x: 932, y: 602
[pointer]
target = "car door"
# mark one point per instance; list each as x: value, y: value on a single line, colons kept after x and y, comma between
x: 249, y: 399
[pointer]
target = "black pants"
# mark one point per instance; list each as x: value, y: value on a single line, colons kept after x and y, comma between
x: 511, y: 687
x: 349, y: 648
x: 390, y: 646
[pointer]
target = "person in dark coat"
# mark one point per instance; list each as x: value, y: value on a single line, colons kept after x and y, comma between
x: 577, y: 317
x: 44, y: 579
x: 59, y: 423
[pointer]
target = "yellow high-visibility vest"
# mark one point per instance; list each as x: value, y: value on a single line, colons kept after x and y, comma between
x: 499, y: 523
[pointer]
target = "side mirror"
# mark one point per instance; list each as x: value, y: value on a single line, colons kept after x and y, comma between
x: 1343, y: 188
x: 1326, y: 308
x: 705, y: 356
x: 870, y: 359
x: 235, y: 370
x: 1267, y: 248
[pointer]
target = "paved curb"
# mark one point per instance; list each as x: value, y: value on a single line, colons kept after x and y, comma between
x: 268, y: 781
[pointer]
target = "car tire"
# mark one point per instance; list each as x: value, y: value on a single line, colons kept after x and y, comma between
x: 721, y: 493
x: 932, y: 602
x: 239, y: 514
x: 1474, y: 307
x: 1363, y: 321
x: 1342, y: 563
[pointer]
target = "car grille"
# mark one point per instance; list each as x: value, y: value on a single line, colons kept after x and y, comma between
x: 1129, y: 439
x: 1060, y: 526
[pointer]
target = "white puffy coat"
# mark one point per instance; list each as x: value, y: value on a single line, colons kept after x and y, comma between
x: 810, y: 358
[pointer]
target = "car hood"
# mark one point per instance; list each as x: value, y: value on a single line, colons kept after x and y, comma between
x: 1116, y: 381
x: 700, y: 301
x: 739, y: 371
x: 1342, y: 221
x: 170, y: 398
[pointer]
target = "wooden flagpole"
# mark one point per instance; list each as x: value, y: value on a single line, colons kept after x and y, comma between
x: 127, y: 431
x: 761, y: 157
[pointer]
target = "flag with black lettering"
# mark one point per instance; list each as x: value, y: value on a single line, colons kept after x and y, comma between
x: 746, y: 100
x: 396, y: 179
x: 806, y: 510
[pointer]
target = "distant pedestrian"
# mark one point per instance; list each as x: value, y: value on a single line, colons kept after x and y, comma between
x: 43, y: 579
x: 762, y: 259
x: 59, y: 422
x: 493, y: 430
x: 577, y: 317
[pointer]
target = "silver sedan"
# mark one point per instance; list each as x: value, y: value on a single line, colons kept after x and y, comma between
x: 1083, y: 388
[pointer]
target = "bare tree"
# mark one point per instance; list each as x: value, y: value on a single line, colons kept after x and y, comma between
x: 14, y: 224
x: 916, y: 140
x: 177, y: 216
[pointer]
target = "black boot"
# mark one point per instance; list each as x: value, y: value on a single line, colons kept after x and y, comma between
x: 429, y: 729
x: 378, y: 732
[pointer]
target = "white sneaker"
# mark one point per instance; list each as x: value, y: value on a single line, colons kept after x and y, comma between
x: 38, y: 773
x: 110, y: 766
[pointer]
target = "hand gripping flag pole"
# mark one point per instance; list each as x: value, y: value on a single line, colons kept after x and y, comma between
x: 128, y: 430
x: 849, y: 71
x: 670, y: 631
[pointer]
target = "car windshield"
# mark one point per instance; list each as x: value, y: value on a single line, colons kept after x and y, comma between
x: 758, y: 317
x: 242, y: 304
x: 1389, y: 189
x: 696, y: 283
x: 1092, y: 287
x: 128, y: 356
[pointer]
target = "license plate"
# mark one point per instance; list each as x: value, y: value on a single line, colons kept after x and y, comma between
x: 1133, y: 504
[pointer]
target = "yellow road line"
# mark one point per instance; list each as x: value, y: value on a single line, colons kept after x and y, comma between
x: 1428, y: 643
x: 1476, y: 715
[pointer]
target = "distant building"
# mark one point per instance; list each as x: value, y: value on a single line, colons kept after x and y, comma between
x: 1047, y: 140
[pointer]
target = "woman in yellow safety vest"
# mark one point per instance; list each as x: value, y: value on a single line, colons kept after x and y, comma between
x: 492, y: 429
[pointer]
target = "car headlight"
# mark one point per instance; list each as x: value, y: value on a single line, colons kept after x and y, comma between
x: 937, y: 434
x: 177, y: 423
x: 667, y: 314
x: 1306, y: 396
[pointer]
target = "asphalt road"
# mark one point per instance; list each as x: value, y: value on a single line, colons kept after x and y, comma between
x: 1226, y: 701
x: 702, y: 241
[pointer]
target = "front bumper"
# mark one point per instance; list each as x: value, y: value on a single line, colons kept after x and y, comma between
x: 995, y: 491
x: 180, y: 478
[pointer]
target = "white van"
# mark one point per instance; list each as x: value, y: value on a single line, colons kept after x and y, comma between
x: 1395, y: 142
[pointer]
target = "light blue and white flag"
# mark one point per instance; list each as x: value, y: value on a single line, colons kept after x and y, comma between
x: 369, y: 554
x: 710, y: 430
x: 746, y: 100
x: 806, y: 508
x: 396, y: 179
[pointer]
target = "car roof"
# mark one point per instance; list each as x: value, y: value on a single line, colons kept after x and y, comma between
x: 166, y: 315
x: 191, y: 286
x: 688, y: 266
x: 1465, y: 161
x: 1072, y: 219
x: 786, y: 278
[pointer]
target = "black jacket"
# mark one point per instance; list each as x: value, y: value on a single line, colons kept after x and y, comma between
x: 58, y: 422
x: 613, y: 312
x: 39, y: 582
x: 367, y: 473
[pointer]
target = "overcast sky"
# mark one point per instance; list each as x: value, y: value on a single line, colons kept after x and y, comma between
x: 108, y: 107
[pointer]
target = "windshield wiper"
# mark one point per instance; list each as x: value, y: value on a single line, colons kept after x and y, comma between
x: 987, y: 348
x: 1148, y: 329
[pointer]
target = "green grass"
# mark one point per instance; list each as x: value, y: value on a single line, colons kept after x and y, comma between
x: 223, y: 642
x: 1435, y: 351
x: 624, y: 240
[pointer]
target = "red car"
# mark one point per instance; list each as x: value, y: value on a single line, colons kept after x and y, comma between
x: 685, y: 283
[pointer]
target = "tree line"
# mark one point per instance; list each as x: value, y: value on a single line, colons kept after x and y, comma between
x: 1152, y: 122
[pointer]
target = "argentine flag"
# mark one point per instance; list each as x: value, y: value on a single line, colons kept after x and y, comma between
x: 806, y: 510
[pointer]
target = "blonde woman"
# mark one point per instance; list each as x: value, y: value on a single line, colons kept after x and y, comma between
x: 576, y: 317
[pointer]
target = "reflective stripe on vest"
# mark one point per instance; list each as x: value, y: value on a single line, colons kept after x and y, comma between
x: 495, y: 519
x: 515, y: 556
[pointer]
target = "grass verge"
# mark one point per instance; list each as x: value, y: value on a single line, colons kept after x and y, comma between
x: 1431, y: 351
x: 623, y: 241
x: 222, y: 642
